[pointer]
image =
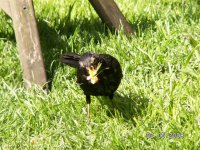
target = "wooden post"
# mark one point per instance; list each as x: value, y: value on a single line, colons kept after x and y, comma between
x: 28, y: 44
x: 5, y: 5
x: 111, y: 15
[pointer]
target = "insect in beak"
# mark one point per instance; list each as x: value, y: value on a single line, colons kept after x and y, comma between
x: 93, y: 74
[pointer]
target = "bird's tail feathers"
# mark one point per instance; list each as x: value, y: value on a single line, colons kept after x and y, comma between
x: 71, y: 59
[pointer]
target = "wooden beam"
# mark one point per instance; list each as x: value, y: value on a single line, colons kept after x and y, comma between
x: 5, y: 5
x: 109, y: 13
x: 28, y: 43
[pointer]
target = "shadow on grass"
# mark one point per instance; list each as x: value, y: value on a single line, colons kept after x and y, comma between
x: 53, y: 43
x: 126, y: 106
x: 142, y: 23
x: 6, y: 28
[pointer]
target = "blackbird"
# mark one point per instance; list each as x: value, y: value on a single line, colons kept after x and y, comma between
x: 97, y: 74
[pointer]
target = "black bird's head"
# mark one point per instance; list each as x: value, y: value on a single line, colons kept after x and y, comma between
x: 89, y: 61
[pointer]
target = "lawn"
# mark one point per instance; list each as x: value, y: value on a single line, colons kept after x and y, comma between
x: 157, y: 102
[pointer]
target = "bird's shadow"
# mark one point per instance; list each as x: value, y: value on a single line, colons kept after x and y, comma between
x: 129, y: 107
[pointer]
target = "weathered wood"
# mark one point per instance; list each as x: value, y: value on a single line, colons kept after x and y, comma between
x: 28, y: 43
x: 109, y: 12
x: 5, y: 5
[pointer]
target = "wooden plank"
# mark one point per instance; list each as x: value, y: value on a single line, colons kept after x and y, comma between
x: 28, y: 42
x: 5, y: 5
x: 109, y: 12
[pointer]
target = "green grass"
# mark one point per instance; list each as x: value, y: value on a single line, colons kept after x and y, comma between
x: 159, y: 91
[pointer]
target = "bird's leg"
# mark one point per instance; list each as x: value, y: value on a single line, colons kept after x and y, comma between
x: 113, y: 103
x: 88, y: 100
